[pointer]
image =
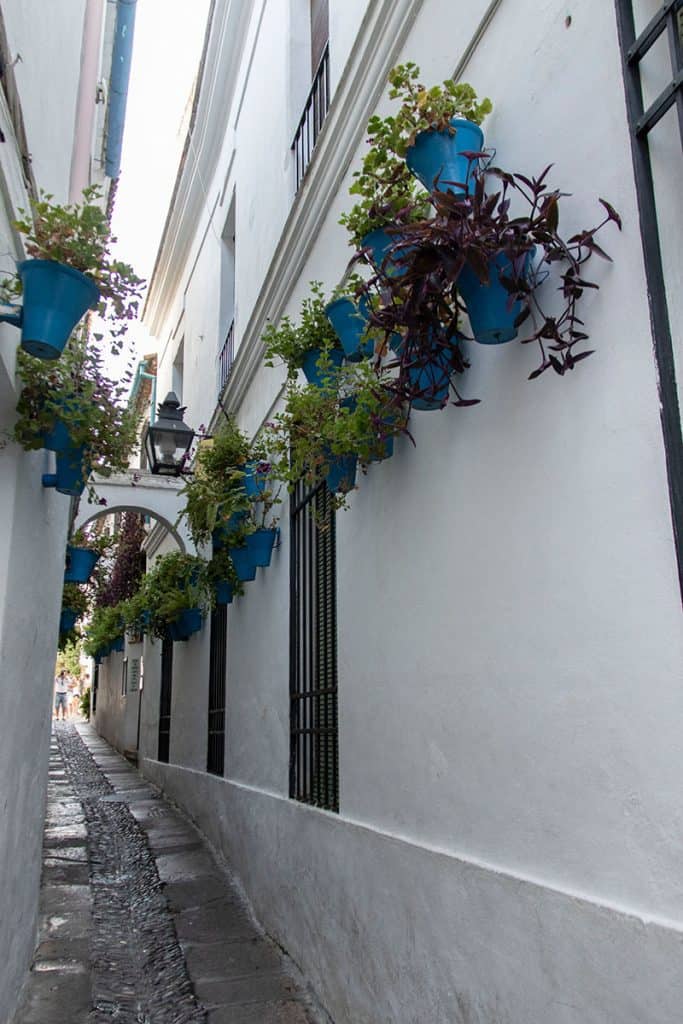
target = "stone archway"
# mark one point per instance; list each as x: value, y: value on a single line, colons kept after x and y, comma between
x: 139, y: 491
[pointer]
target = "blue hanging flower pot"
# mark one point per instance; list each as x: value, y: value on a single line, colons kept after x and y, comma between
x: 255, y: 480
x: 312, y: 372
x: 437, y: 158
x: 188, y: 622
x: 341, y: 475
x: 118, y: 645
x: 382, y: 254
x: 350, y: 322
x: 492, y: 315
x: 427, y: 377
x: 219, y: 537
x: 260, y: 546
x: 71, y: 473
x: 58, y: 438
x: 243, y: 564
x: 80, y: 563
x: 55, y: 298
x: 224, y: 592
x: 67, y: 620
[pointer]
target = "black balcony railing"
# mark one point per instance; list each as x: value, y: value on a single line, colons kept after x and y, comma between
x: 315, y: 111
x: 226, y: 358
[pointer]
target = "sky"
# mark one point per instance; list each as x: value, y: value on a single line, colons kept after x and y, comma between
x: 167, y: 47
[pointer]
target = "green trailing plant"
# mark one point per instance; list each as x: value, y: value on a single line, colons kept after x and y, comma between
x: 389, y: 194
x: 176, y: 583
x: 89, y: 538
x: 76, y: 391
x: 214, y: 492
x: 423, y: 109
x: 106, y: 625
x: 75, y: 599
x: 220, y: 569
x: 136, y: 610
x: 289, y: 344
x: 79, y: 234
x: 355, y: 414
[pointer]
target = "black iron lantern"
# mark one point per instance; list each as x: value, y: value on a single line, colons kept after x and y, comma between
x: 168, y: 438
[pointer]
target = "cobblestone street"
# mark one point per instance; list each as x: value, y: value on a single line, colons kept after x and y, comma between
x: 138, y: 922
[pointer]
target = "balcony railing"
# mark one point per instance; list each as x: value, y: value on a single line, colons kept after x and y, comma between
x: 315, y: 111
x: 226, y: 358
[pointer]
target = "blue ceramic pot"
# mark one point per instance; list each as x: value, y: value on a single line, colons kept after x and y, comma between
x: 80, y: 563
x: 188, y: 622
x: 492, y: 315
x: 260, y: 546
x: 384, y: 451
x: 224, y: 592
x: 350, y: 322
x: 71, y: 472
x: 219, y: 537
x: 437, y: 159
x: 379, y: 242
x: 57, y: 439
x: 242, y: 564
x: 342, y: 473
x: 67, y: 620
x: 118, y: 645
x: 312, y: 371
x: 55, y: 299
x: 254, y: 482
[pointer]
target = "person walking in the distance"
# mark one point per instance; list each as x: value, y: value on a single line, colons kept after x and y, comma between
x: 61, y: 695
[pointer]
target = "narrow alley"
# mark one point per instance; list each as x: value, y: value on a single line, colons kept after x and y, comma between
x: 139, y: 923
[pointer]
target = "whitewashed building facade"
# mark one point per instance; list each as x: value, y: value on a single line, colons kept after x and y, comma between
x: 500, y: 841
x: 56, y: 134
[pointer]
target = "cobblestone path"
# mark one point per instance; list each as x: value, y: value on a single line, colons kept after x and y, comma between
x: 139, y: 925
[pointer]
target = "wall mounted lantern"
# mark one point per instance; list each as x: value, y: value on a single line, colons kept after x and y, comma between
x: 168, y: 438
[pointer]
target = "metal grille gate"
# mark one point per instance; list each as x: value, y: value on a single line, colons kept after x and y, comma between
x: 215, y: 754
x: 165, y: 699
x: 314, y: 748
x: 669, y: 21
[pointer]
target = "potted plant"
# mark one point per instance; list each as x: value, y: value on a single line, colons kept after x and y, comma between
x: 104, y: 632
x: 312, y: 346
x: 223, y: 577
x: 436, y: 129
x: 74, y: 606
x: 70, y: 271
x: 75, y: 408
x: 179, y: 595
x: 474, y: 257
x: 349, y: 313
x: 83, y: 553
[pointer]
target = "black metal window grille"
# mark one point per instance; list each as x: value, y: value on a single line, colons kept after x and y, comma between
x: 315, y: 112
x: 314, y: 743
x: 215, y: 755
x: 226, y: 358
x: 165, y: 699
x: 669, y: 21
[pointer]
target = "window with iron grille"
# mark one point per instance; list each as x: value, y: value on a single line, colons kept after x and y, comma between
x: 318, y: 99
x: 95, y: 685
x: 165, y: 699
x: 215, y: 755
x: 314, y: 747
x: 666, y: 24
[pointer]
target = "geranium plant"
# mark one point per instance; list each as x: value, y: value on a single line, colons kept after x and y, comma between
x: 79, y: 234
x: 290, y: 344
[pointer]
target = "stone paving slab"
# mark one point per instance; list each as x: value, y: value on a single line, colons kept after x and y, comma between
x: 131, y: 897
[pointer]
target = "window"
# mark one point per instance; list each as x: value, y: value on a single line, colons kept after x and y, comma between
x: 318, y: 100
x: 178, y: 371
x: 314, y: 753
x: 165, y: 699
x: 124, y: 677
x: 215, y: 755
x: 226, y: 322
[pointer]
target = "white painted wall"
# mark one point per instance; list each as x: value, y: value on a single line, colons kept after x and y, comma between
x: 45, y: 43
x: 510, y: 634
x: 48, y: 40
